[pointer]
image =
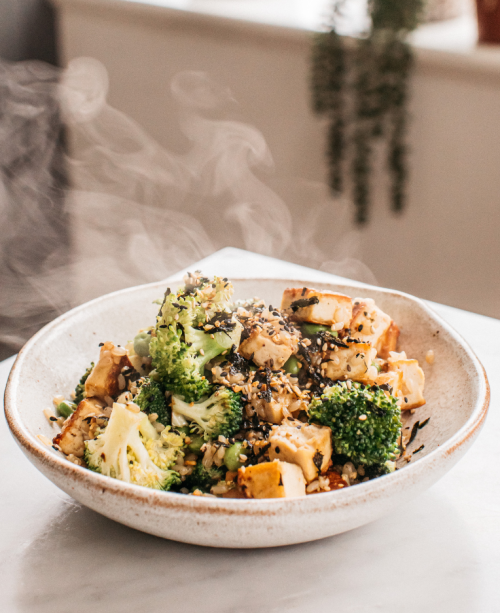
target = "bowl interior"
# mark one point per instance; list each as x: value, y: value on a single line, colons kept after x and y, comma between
x: 59, y: 354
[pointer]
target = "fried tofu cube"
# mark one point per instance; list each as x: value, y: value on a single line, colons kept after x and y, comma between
x: 104, y: 379
x: 283, y: 403
x: 413, y: 380
x: 265, y: 350
x: 74, y: 432
x: 392, y: 378
x: 355, y: 363
x: 388, y: 342
x: 307, y: 445
x: 272, y: 480
x: 371, y: 325
x: 269, y: 411
x: 318, y: 307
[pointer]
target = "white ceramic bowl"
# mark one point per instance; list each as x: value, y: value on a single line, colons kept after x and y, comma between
x: 51, y: 362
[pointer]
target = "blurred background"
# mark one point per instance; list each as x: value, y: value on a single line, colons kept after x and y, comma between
x: 137, y: 137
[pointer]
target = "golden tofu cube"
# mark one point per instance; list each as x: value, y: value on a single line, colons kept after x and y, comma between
x: 307, y: 445
x: 392, y: 378
x: 272, y: 480
x: 282, y: 404
x: 319, y: 307
x: 371, y: 325
x: 272, y: 412
x: 74, y: 432
x: 104, y: 379
x: 388, y: 342
x: 412, y: 387
x: 272, y: 351
x: 355, y: 363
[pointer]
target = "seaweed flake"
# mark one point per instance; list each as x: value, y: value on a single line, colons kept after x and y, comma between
x: 303, y: 303
x: 424, y: 423
x: 414, y: 432
x: 238, y: 362
x: 224, y: 320
x: 318, y: 460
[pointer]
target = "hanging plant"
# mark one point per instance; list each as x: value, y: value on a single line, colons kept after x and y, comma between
x: 361, y: 85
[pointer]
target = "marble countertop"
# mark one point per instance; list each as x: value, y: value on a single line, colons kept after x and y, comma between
x: 440, y: 552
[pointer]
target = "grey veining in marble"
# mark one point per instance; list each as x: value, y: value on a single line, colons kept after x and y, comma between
x: 440, y: 553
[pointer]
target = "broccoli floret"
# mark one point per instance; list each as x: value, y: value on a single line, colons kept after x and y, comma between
x: 80, y: 388
x: 151, y: 399
x: 130, y: 449
x: 365, y: 422
x: 221, y: 414
x: 378, y: 470
x: 203, y: 478
x: 193, y: 326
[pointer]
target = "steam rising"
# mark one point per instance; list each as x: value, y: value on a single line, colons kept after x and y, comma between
x: 132, y: 211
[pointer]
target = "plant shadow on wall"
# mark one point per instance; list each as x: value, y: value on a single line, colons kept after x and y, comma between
x: 361, y: 86
x: 133, y: 212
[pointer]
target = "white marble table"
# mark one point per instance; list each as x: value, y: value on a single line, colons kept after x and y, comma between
x: 441, y: 553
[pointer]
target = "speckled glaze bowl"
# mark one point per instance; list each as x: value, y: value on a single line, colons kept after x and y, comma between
x: 52, y: 361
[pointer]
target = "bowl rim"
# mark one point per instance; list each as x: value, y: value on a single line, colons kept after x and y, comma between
x: 43, y: 454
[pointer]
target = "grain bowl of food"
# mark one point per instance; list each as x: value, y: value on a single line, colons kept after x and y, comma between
x: 246, y: 413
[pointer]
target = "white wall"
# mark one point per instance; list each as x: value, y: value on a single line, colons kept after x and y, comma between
x: 445, y: 247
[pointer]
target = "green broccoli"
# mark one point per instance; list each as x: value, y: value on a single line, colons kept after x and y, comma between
x: 221, y: 414
x: 365, y: 422
x: 203, y: 478
x: 378, y: 470
x: 130, y: 449
x: 151, y: 399
x: 80, y: 388
x: 193, y: 326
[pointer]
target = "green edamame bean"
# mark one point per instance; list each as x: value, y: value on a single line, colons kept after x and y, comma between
x: 232, y: 456
x: 292, y: 365
x: 65, y: 409
x: 141, y: 344
x: 311, y: 329
x: 196, y: 444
